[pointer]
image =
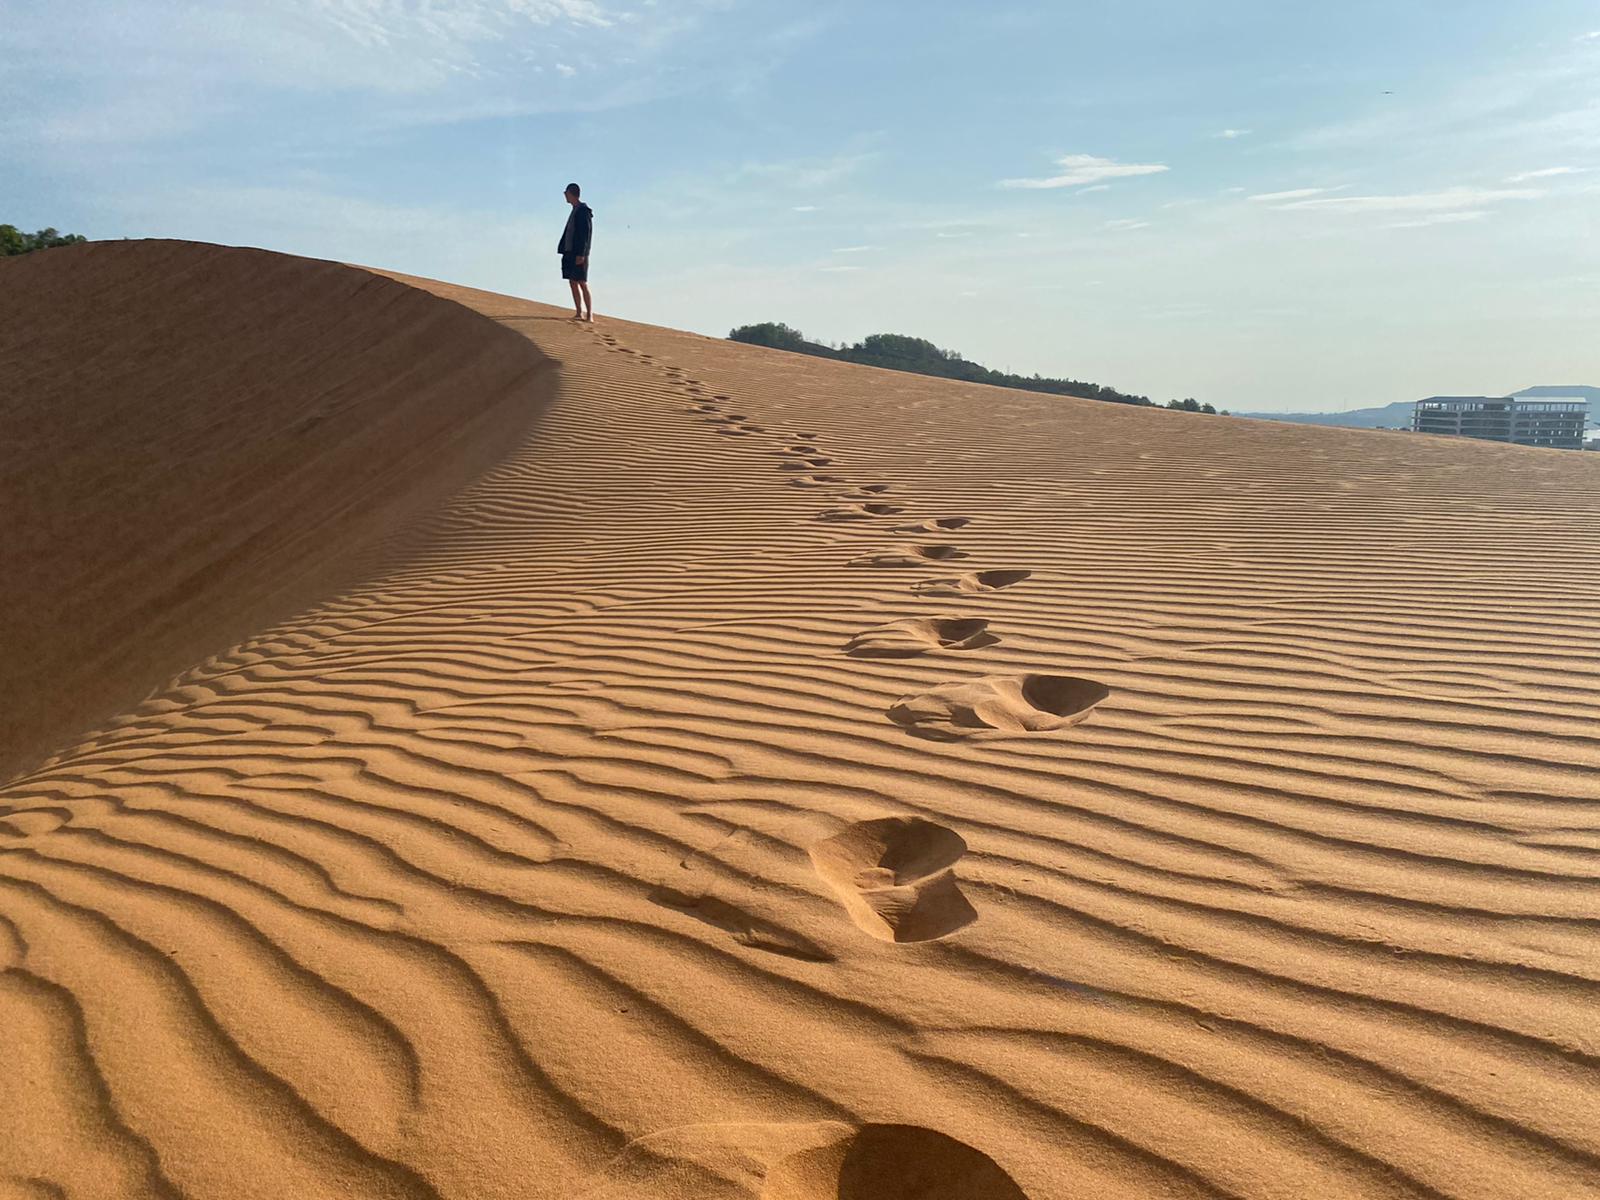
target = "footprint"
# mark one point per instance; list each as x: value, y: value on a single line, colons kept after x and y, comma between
x: 891, y: 1162
x: 976, y: 581
x: 816, y: 481
x: 806, y: 437
x: 753, y: 428
x: 859, y: 512
x: 911, y: 556
x: 937, y: 525
x: 895, y: 877
x: 909, y: 638
x: 875, y: 488
x: 1003, y: 703
x: 812, y: 1160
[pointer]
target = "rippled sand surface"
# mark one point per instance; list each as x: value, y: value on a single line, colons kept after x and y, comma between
x: 458, y: 752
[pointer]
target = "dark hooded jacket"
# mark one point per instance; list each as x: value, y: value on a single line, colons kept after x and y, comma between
x: 575, y: 238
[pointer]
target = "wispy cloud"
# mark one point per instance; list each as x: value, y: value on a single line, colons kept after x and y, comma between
x: 1546, y: 173
x: 853, y: 249
x: 804, y: 208
x: 1232, y: 134
x: 1080, y: 169
x: 127, y: 72
x: 1127, y: 223
x: 1293, y: 194
x: 1445, y: 200
x: 1444, y: 218
x: 804, y: 174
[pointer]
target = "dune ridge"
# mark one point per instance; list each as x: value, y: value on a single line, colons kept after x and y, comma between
x: 524, y: 866
x: 202, y: 440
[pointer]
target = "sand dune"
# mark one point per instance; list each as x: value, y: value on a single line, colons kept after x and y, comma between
x: 764, y: 777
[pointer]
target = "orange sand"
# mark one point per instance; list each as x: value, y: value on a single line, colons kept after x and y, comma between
x: 458, y: 752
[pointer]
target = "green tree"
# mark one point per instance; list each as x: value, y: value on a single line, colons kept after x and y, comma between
x: 14, y: 241
x: 897, y: 352
x: 770, y: 333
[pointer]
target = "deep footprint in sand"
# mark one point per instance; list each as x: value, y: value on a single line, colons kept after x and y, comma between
x: 914, y: 636
x: 860, y: 512
x: 891, y: 1162
x: 817, y: 481
x: 815, y: 1160
x: 911, y: 556
x: 805, y: 464
x: 998, y: 704
x: 936, y: 525
x: 896, y: 877
x: 974, y: 582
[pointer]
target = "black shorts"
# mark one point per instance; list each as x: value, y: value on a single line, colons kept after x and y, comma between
x: 571, y: 270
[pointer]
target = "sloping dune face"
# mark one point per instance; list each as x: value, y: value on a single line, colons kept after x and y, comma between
x: 199, y: 440
x: 577, y: 851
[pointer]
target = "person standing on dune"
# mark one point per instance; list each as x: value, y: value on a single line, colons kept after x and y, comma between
x: 574, y: 250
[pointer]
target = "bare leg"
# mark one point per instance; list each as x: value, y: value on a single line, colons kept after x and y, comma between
x: 577, y: 297
x: 587, y: 302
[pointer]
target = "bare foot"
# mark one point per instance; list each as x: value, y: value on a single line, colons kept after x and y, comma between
x: 589, y: 318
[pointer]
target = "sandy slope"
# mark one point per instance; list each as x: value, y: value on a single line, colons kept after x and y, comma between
x: 790, y: 780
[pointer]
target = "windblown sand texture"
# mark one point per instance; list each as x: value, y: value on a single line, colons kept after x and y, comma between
x: 455, y: 752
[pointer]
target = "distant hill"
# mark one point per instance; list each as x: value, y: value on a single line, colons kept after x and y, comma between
x: 1398, y: 414
x: 897, y: 352
x: 1392, y: 416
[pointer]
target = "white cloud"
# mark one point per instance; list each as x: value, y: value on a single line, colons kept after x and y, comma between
x: 1231, y: 134
x: 1446, y: 200
x: 804, y: 208
x: 126, y: 72
x: 805, y: 174
x: 1444, y: 218
x: 1080, y: 169
x: 1278, y: 197
x: 853, y: 249
x: 1099, y: 187
x: 840, y: 268
x: 1127, y: 224
x: 1546, y: 173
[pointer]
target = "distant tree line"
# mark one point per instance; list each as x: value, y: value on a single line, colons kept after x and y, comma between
x: 896, y: 352
x: 14, y: 241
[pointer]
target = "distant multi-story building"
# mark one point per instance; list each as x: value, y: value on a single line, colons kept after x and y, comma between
x: 1544, y: 421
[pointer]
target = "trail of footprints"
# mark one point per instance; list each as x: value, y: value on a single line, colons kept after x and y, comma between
x: 895, y: 876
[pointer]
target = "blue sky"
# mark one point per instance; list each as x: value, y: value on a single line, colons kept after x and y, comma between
x: 1263, y: 205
